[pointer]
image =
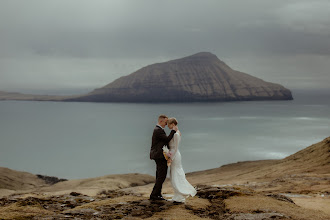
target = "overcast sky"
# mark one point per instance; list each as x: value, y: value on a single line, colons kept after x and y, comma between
x: 70, y: 46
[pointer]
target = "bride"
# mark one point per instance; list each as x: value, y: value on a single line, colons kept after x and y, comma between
x: 182, y: 188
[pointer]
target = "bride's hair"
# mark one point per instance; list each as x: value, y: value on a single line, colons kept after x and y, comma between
x: 172, y: 120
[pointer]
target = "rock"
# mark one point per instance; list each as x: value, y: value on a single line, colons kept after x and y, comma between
x: 213, y: 192
x: 112, y: 193
x: 257, y: 216
x: 137, y: 212
x: 131, y: 218
x: 50, y: 179
x: 29, y: 201
x: 80, y: 212
x: 281, y: 198
x: 145, y: 203
x: 75, y: 194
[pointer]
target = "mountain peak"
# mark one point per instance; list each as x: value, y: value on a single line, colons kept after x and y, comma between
x: 201, y: 56
x: 204, y: 54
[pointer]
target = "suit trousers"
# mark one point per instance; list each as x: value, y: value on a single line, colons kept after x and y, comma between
x: 161, y: 172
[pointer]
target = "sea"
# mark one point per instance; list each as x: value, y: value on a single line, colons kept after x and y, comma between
x: 75, y: 140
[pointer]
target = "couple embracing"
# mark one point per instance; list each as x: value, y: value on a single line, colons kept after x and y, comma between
x: 182, y: 188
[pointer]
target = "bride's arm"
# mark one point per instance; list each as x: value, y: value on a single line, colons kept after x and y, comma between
x: 174, y: 148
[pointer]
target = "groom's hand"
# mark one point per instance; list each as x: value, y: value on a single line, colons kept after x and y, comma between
x: 175, y: 128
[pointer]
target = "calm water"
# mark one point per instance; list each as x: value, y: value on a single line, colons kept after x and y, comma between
x: 81, y: 140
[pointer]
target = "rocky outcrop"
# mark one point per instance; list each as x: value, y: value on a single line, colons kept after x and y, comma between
x: 211, y: 202
x: 200, y: 77
x: 51, y: 179
x: 116, y: 205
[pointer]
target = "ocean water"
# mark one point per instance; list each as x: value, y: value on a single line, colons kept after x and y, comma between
x: 82, y: 140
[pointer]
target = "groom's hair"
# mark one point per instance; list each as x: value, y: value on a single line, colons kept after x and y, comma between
x: 162, y: 117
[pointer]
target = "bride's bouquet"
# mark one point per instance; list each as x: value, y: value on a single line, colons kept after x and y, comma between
x: 167, y: 155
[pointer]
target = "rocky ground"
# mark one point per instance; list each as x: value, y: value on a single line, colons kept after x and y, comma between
x: 297, y: 187
x: 211, y: 202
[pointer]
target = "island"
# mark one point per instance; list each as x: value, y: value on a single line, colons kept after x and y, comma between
x: 201, y: 77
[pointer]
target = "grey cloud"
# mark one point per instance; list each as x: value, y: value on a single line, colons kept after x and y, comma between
x: 122, y: 28
x: 103, y: 34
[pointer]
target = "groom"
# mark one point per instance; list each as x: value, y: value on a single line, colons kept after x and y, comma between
x: 159, y: 139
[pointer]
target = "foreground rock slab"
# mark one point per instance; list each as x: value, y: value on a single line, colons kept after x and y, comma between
x: 220, y: 203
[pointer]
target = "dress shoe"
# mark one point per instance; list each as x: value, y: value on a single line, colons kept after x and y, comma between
x: 156, y: 198
x: 177, y: 203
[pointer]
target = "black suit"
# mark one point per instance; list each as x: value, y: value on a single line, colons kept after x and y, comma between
x: 159, y: 139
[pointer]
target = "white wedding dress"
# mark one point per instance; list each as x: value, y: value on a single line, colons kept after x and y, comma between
x: 182, y: 188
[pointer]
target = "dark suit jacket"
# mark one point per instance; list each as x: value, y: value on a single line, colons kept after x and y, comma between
x: 159, y: 139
